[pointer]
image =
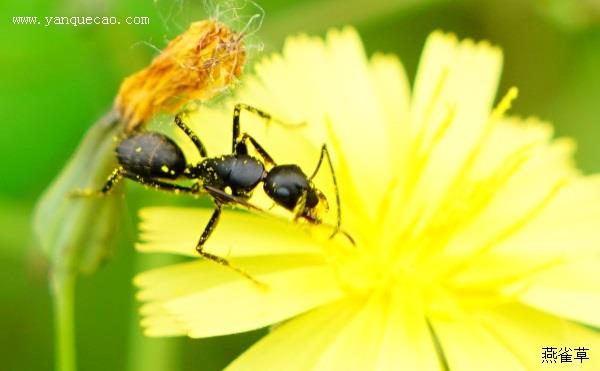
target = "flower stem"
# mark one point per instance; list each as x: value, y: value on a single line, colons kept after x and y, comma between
x: 63, y: 292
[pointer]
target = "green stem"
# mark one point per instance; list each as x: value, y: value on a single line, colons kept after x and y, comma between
x: 63, y: 291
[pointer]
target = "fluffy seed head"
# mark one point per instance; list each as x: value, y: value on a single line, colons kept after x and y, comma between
x: 198, y: 64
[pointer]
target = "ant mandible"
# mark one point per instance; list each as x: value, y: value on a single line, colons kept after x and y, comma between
x: 149, y: 157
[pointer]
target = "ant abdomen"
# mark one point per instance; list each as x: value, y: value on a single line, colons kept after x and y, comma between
x: 152, y: 155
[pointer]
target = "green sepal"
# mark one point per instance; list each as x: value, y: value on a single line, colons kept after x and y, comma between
x: 76, y: 233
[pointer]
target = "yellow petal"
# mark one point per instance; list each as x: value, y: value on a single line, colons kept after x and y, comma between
x: 379, y: 334
x: 525, y: 331
x: 457, y: 79
x: 166, y: 325
x: 360, y: 336
x: 498, y: 206
x: 390, y: 84
x: 177, y: 230
x: 183, y: 279
x: 568, y: 225
x: 298, y: 344
x: 407, y: 342
x: 570, y: 290
x: 467, y: 345
x: 566, y: 229
x: 453, y: 94
x: 496, y: 270
x: 357, y: 118
x: 233, y: 306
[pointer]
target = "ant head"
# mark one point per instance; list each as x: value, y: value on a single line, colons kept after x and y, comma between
x: 314, y: 213
x: 290, y: 188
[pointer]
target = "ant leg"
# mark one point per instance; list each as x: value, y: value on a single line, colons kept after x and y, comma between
x: 210, y: 227
x: 160, y: 185
x: 119, y: 173
x: 113, y: 178
x: 325, y: 153
x: 236, y: 132
x: 299, y: 208
x: 261, y: 151
x: 190, y: 133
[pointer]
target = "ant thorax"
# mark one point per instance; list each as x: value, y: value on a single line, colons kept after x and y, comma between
x: 240, y: 173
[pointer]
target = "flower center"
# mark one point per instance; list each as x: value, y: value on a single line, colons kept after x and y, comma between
x: 363, y: 270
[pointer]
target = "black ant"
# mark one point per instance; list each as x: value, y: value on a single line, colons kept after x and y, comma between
x: 148, y: 157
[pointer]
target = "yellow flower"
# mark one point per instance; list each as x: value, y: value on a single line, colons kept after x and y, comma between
x: 477, y: 242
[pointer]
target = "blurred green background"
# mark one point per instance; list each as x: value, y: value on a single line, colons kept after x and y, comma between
x: 57, y: 80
